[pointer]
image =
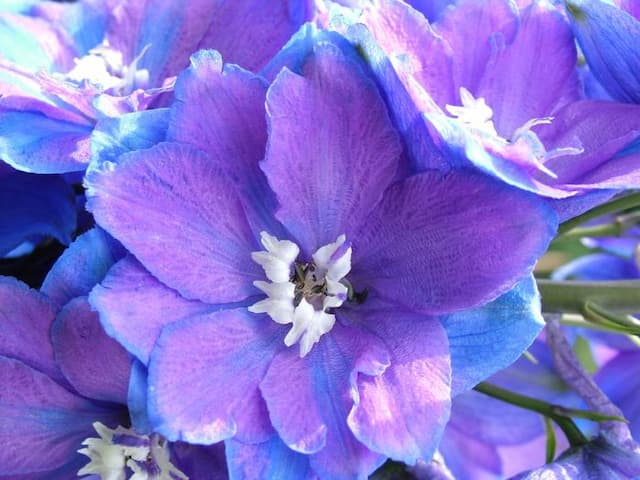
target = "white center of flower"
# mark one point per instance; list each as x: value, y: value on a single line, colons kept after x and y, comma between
x: 123, y: 454
x: 302, y: 294
x: 104, y: 68
x: 523, y: 146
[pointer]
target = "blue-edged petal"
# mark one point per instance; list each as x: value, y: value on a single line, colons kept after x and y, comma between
x: 134, y: 306
x: 441, y: 243
x: 402, y: 412
x: 32, y: 206
x: 182, y: 198
x: 95, y: 364
x: 309, y: 400
x: 125, y: 133
x: 81, y: 266
x: 137, y: 397
x: 270, y: 459
x: 332, y: 149
x: 476, y: 337
x: 608, y: 37
x: 33, y: 142
x: 216, y: 361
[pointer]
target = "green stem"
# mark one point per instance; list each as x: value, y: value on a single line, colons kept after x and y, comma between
x: 571, y: 431
x: 617, y: 205
x: 619, y: 296
x: 608, y: 230
x: 551, y: 440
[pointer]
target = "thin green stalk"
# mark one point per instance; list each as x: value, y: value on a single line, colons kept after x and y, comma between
x: 551, y: 440
x: 617, y: 205
x: 571, y: 431
x: 608, y: 230
x: 569, y: 296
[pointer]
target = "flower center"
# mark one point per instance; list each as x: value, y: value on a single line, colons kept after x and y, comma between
x: 303, y: 294
x: 104, y: 68
x: 523, y: 147
x: 122, y: 453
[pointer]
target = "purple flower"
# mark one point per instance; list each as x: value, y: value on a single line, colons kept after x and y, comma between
x: 296, y: 300
x: 498, y: 87
x: 69, y: 404
x: 47, y: 118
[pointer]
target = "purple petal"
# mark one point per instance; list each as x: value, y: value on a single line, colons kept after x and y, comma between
x: 26, y: 317
x: 476, y: 30
x: 94, y: 363
x: 607, y: 131
x: 221, y: 111
x: 439, y: 243
x: 468, y: 457
x: 216, y: 362
x: 184, y: 204
x: 81, y: 266
x: 534, y: 75
x: 402, y: 412
x: 271, y: 459
x: 323, y: 125
x: 598, y: 266
x: 42, y: 423
x: 33, y: 205
x: 134, y: 306
x: 309, y: 399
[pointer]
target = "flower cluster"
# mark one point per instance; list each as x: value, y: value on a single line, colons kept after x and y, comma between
x: 300, y: 232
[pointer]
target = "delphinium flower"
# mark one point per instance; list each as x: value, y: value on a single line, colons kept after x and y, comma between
x: 608, y: 35
x: 500, y: 86
x: 296, y: 301
x: 69, y: 408
x: 46, y: 121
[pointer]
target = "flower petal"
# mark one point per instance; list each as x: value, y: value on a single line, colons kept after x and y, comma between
x: 271, y: 459
x: 181, y: 199
x: 439, y: 243
x: 216, y: 362
x: 332, y: 150
x: 309, y: 399
x: 96, y: 366
x: 42, y: 423
x: 476, y: 337
x: 402, y: 412
x: 81, y: 266
x: 134, y: 306
x: 26, y: 317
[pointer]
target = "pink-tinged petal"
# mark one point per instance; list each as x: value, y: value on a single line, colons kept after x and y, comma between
x: 204, y: 374
x: 332, y: 150
x: 607, y: 132
x: 309, y: 399
x: 476, y: 31
x: 25, y: 320
x: 184, y: 204
x: 407, y: 38
x: 402, y: 412
x: 536, y: 74
x: 81, y: 266
x: 42, y: 423
x: 270, y: 459
x: 95, y: 364
x: 220, y: 109
x: 134, y: 306
x: 442, y: 243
